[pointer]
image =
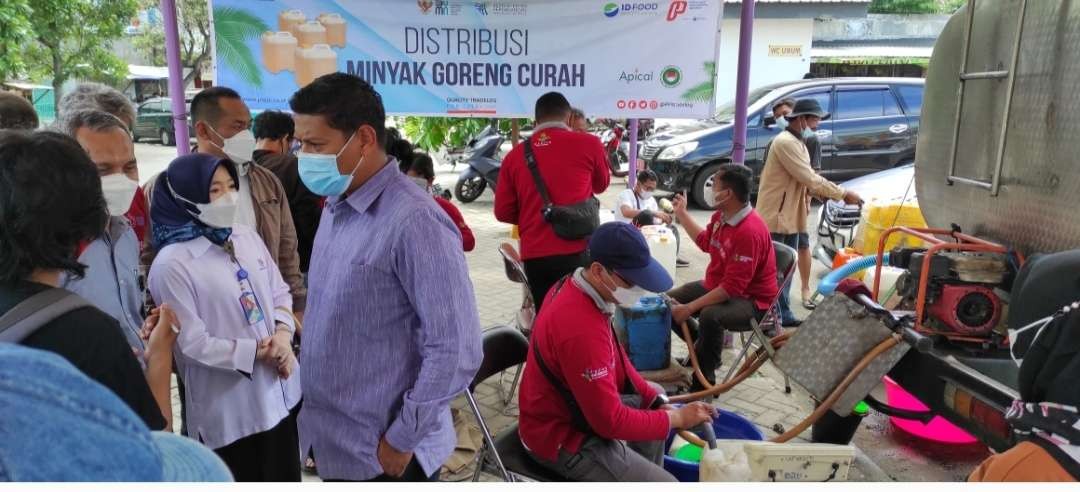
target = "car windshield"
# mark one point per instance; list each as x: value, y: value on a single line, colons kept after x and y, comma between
x: 726, y: 112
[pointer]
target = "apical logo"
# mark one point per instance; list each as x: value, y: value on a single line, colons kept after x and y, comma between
x: 677, y: 8
x: 425, y: 6
x: 611, y: 9
x: 671, y: 76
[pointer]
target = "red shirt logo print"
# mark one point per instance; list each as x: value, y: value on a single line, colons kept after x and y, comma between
x: 591, y: 375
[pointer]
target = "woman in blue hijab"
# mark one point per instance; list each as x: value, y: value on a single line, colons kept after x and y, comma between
x: 235, y: 351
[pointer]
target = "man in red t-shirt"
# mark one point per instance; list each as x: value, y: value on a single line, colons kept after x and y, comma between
x: 573, y: 167
x: 581, y: 399
x: 740, y: 281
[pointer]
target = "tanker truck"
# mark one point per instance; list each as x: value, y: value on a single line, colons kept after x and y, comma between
x: 997, y: 181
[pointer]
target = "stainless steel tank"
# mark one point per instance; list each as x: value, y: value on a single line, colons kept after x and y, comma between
x: 1023, y: 96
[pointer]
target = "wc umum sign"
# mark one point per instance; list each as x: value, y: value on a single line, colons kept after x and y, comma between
x: 477, y: 58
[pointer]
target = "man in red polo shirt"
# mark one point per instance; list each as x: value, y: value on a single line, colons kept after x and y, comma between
x: 581, y: 399
x: 573, y: 166
x: 740, y: 281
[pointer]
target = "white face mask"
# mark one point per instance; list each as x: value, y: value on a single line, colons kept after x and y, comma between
x: 421, y: 182
x: 239, y: 147
x: 713, y: 200
x: 119, y: 191
x: 1014, y: 335
x: 626, y: 297
x: 645, y: 195
x: 221, y: 212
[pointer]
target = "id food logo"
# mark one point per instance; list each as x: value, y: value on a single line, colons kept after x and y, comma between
x: 671, y: 77
x: 612, y: 9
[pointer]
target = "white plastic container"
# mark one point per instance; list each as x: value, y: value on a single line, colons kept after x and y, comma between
x: 727, y: 463
x: 278, y: 51
x: 288, y: 20
x: 313, y: 63
x: 662, y: 246
x: 770, y: 462
x: 310, y: 34
x: 889, y: 276
x: 335, y: 29
x: 606, y: 215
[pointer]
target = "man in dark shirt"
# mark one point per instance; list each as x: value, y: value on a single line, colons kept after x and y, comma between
x: 274, y: 137
x: 94, y: 343
x: 50, y: 202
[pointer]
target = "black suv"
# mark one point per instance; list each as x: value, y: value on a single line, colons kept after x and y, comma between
x: 874, y: 126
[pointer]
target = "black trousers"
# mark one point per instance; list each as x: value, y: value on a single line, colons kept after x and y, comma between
x: 544, y: 272
x: 413, y: 473
x: 733, y: 315
x: 269, y: 456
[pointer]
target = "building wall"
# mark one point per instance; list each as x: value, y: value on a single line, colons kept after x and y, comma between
x: 880, y: 27
x: 764, y: 68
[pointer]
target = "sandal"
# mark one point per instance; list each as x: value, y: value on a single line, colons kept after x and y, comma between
x: 808, y: 304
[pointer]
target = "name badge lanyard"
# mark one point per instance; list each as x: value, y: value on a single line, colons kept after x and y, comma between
x: 249, y: 302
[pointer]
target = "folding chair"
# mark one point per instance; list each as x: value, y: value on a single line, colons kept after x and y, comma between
x: 785, y: 269
x: 504, y: 347
x: 515, y: 272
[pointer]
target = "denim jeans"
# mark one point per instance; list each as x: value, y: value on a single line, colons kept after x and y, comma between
x: 798, y: 241
x: 59, y: 426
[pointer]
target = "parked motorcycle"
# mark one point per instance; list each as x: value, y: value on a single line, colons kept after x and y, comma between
x: 484, y: 163
x: 617, y: 150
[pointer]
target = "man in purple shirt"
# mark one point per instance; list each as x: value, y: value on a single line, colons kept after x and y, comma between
x: 392, y: 334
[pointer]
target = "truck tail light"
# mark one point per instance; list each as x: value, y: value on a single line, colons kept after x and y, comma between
x: 969, y: 406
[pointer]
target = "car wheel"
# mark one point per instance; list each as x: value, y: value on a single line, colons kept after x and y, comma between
x: 134, y: 137
x: 167, y: 138
x: 703, y: 184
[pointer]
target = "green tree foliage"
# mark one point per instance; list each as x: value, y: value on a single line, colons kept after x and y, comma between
x: 15, y: 33
x: 704, y: 91
x: 234, y: 28
x: 432, y: 134
x: 915, y: 6
x: 193, y: 19
x: 71, y: 39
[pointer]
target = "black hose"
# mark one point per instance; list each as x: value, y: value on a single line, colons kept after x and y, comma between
x: 923, y: 417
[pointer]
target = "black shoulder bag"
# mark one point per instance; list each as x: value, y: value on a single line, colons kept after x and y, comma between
x: 36, y: 311
x: 571, y: 222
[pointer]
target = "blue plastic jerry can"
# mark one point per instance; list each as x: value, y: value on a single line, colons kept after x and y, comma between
x: 647, y: 326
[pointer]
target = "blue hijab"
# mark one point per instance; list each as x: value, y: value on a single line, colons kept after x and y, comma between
x: 175, y: 221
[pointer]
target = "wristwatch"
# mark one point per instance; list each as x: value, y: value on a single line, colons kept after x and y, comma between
x: 661, y: 400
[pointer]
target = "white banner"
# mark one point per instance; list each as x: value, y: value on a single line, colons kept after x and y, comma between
x: 478, y: 58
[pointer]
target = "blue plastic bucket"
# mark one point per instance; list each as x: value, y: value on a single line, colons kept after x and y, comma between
x: 727, y: 426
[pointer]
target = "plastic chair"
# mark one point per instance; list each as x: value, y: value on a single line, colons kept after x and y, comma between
x: 786, y: 263
x: 504, y: 347
x: 515, y: 272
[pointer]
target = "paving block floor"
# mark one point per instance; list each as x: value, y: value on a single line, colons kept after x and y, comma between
x: 760, y: 398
